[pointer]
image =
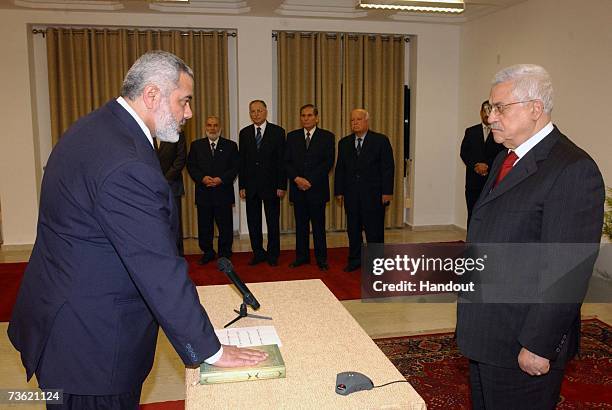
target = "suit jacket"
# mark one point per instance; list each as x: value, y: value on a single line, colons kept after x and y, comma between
x: 365, y: 178
x: 554, y: 194
x: 104, y: 272
x: 172, y: 156
x: 224, y: 164
x: 475, y: 149
x: 262, y: 171
x: 313, y: 164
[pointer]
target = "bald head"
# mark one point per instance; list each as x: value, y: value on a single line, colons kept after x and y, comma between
x: 359, y: 121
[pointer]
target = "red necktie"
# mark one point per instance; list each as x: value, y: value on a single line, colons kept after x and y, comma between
x: 506, y: 167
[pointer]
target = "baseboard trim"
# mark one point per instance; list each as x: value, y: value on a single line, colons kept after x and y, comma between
x: 450, y: 227
x: 9, y: 248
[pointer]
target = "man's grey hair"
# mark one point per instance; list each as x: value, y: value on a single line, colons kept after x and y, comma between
x: 364, y: 111
x: 530, y: 82
x: 155, y: 67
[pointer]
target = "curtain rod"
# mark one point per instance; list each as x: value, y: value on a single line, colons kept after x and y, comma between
x: 350, y: 35
x: 132, y: 31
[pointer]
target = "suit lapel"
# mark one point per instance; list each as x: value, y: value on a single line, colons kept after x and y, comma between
x: 353, y: 147
x: 525, y: 167
x: 207, y: 150
x: 134, y: 130
x: 249, y: 138
x: 365, y: 143
x: 264, y: 137
x: 219, y: 147
x: 528, y: 165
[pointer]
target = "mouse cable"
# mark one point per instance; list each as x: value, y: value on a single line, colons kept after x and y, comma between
x: 386, y: 384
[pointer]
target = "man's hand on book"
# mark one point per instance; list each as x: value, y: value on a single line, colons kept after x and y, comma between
x: 237, y: 357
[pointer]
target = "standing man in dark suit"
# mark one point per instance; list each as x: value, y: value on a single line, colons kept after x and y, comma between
x: 309, y: 156
x: 104, y: 272
x: 213, y: 165
x: 364, y: 181
x: 172, y: 156
x: 545, y: 191
x: 478, y: 150
x: 262, y: 179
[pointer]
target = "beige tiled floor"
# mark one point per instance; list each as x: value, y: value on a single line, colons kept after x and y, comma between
x: 378, y: 319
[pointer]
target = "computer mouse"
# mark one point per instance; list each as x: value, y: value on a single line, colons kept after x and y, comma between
x: 350, y: 382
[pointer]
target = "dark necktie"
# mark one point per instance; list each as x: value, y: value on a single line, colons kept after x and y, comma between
x: 155, y: 144
x: 258, y: 137
x: 307, y: 139
x: 359, y: 140
x: 212, y: 148
x: 506, y: 167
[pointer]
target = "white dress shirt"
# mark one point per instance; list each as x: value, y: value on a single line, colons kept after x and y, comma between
x: 526, y: 146
x: 139, y: 120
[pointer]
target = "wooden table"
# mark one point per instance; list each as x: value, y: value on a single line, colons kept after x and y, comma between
x: 319, y: 339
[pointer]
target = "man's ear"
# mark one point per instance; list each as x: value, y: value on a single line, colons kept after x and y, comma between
x: 537, y: 109
x: 151, y: 95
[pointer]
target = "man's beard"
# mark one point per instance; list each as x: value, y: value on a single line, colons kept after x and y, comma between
x: 213, y: 136
x: 166, y: 127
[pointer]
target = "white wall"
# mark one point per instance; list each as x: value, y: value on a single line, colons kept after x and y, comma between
x: 573, y: 41
x: 437, y: 65
x: 18, y: 189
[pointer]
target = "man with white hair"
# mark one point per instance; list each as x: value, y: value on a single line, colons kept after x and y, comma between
x: 104, y: 272
x: 363, y: 180
x: 543, y: 190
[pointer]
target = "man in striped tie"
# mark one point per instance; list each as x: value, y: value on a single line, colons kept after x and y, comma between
x: 262, y: 180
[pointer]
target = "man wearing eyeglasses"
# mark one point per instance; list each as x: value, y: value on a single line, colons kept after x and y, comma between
x: 543, y: 191
x: 478, y: 150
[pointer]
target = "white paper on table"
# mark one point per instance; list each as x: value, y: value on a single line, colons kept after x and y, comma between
x: 249, y: 336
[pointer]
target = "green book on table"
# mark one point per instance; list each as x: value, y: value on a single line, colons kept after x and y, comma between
x: 271, y: 368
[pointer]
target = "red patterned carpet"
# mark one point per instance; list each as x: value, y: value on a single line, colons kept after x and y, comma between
x: 436, y: 369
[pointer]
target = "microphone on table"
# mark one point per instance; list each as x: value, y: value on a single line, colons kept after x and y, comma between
x: 225, y: 266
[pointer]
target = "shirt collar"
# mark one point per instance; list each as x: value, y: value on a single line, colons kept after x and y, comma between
x: 262, y: 126
x: 311, y: 132
x: 486, y: 129
x: 140, y: 122
x: 526, y: 146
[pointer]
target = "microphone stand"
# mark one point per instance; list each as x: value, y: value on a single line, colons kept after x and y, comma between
x: 243, y: 313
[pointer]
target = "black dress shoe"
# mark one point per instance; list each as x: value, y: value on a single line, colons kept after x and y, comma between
x: 256, y: 259
x: 297, y: 263
x: 351, y: 267
x: 206, y: 258
x: 323, y: 266
x: 273, y: 262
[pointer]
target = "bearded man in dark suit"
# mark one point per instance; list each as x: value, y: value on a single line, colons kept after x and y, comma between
x: 544, y: 191
x: 364, y: 182
x: 309, y: 156
x: 478, y: 150
x: 104, y: 272
x: 213, y: 165
x: 262, y: 180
